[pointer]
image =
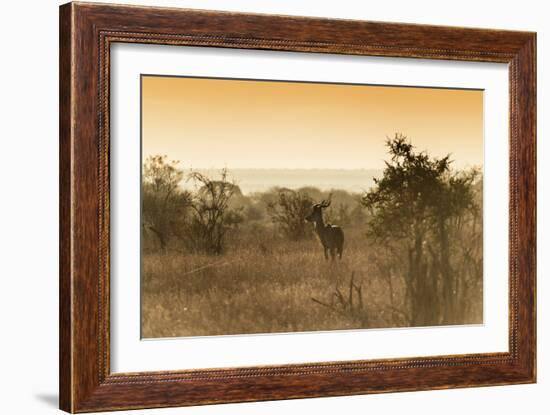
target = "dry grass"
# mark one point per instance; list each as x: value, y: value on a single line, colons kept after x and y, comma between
x: 258, y: 289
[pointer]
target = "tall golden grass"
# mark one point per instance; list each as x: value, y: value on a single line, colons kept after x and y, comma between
x: 265, y: 284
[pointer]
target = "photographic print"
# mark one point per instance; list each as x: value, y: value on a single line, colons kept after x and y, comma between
x: 272, y: 206
x: 260, y: 207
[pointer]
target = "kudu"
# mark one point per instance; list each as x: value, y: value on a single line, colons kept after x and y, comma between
x: 331, y: 236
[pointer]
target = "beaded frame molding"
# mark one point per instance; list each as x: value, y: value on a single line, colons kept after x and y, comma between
x: 86, y: 33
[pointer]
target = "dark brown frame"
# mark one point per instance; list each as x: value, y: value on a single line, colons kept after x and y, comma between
x: 86, y: 33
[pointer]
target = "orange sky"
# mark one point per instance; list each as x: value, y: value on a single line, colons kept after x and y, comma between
x: 213, y: 123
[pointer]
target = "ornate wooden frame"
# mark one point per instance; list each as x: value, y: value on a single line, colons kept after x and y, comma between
x: 86, y: 33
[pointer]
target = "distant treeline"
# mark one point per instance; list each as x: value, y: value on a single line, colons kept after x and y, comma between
x: 252, y: 180
x: 174, y: 217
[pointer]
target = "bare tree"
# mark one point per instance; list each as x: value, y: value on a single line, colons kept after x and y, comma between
x: 212, y: 216
x: 347, y: 302
x: 289, y: 212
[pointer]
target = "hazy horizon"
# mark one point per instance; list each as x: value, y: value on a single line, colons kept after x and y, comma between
x: 263, y: 179
x: 252, y: 180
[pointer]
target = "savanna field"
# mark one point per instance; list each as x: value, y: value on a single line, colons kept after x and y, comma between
x: 216, y: 261
x: 261, y: 285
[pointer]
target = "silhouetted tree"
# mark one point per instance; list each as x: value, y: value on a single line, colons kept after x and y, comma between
x: 416, y: 203
x: 289, y: 211
x: 212, y: 216
x: 456, y: 209
x: 164, y: 204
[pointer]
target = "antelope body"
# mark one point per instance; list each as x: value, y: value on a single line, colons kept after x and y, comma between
x: 331, y: 236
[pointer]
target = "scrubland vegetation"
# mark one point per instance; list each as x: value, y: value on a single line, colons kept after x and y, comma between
x: 216, y: 261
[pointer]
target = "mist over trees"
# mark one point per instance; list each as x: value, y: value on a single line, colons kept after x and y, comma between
x: 413, y: 253
x: 424, y: 212
x: 174, y: 218
x: 288, y: 212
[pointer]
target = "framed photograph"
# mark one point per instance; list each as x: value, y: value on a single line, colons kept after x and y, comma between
x: 258, y: 207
